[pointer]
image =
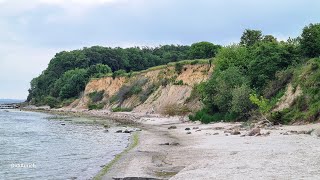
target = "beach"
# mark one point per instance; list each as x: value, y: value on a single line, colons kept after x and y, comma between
x: 174, y: 148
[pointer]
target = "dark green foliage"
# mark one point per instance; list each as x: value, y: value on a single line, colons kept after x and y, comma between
x: 96, y: 106
x: 71, y: 83
x: 306, y: 107
x: 178, y: 68
x: 176, y: 109
x: 118, y: 73
x: 282, y: 78
x: 67, y: 102
x: 127, y: 91
x: 51, y: 101
x: 120, y: 109
x: 98, y: 61
x: 219, y: 89
x: 250, y: 37
x: 179, y: 83
x: 263, y: 67
x: 234, y: 55
x: 194, y: 62
x: 96, y: 96
x: 203, y: 50
x: 269, y: 38
x: 206, y: 116
x: 164, y: 82
x: 197, y: 92
x: 99, y: 70
x: 267, y: 59
x: 310, y: 40
x: 147, y: 92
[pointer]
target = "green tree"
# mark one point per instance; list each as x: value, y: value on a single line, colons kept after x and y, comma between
x: 250, y: 37
x: 218, y: 90
x: 98, y: 70
x: 234, y: 55
x: 269, y: 38
x: 267, y: 59
x: 203, y: 50
x: 73, y: 82
x: 241, y: 103
x: 310, y: 40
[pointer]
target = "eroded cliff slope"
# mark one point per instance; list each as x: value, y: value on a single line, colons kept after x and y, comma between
x: 155, y: 90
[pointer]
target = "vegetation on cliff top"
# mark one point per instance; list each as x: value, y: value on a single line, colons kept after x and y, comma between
x: 68, y: 72
x: 249, y: 77
x: 255, y: 73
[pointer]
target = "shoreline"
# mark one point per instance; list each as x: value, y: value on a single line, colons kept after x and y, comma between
x: 171, y: 148
x: 134, y: 141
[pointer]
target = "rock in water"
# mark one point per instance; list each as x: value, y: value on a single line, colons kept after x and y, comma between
x: 254, y: 132
x: 187, y: 129
x: 119, y: 131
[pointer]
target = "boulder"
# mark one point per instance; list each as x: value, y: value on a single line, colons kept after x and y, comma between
x: 172, y: 127
x: 187, y: 129
x: 316, y: 132
x: 174, y: 144
x: 235, y: 132
x: 254, y: 132
x: 119, y: 131
x: 188, y: 132
x: 127, y: 131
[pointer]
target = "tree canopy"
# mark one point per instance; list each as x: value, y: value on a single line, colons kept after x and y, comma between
x: 310, y: 40
x: 69, y: 71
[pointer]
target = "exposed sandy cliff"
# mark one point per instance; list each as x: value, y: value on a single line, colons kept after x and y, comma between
x: 149, y: 91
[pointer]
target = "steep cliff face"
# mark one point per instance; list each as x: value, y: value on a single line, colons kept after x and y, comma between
x: 149, y: 91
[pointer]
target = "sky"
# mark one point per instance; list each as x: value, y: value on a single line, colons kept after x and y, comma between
x: 32, y: 31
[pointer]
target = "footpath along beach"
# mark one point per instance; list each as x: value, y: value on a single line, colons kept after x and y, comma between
x: 172, y: 148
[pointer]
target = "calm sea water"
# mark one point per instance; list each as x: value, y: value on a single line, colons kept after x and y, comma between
x: 37, y: 146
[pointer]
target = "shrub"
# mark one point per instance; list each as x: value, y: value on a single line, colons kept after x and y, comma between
x: 178, y: 68
x: 175, y: 109
x: 274, y: 86
x: 96, y: 96
x: 180, y: 82
x: 51, y: 101
x: 127, y: 91
x: 205, y: 117
x: 67, y: 102
x: 194, y: 62
x: 96, y: 106
x: 120, y: 109
x: 118, y: 73
x: 149, y: 90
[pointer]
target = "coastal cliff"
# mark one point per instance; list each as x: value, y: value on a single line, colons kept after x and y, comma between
x: 154, y: 90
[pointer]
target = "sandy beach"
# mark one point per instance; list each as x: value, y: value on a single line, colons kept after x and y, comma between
x: 173, y: 148
x: 209, y: 152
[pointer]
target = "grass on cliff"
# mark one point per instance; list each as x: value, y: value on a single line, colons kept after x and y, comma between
x: 307, y: 106
x: 171, y: 64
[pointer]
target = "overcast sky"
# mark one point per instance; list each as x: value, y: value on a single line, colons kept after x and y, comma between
x: 32, y: 31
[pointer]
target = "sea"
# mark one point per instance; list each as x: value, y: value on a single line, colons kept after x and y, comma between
x: 42, y: 146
